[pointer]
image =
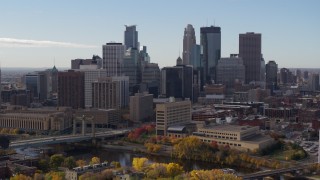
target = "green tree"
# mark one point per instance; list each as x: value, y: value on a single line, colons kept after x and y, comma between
x: 43, y: 165
x: 69, y: 162
x: 4, y: 142
x: 56, y: 161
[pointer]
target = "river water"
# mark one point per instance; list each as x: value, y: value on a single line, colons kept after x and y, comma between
x: 125, y: 158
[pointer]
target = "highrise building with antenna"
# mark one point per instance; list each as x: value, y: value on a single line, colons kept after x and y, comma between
x: 189, y: 40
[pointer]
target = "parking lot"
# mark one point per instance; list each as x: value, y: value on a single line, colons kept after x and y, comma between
x: 311, y: 147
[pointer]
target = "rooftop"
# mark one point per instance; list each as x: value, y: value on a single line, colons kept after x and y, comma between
x: 234, y: 128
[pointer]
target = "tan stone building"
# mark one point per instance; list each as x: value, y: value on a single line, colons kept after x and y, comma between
x: 43, y: 119
x: 238, y: 137
x: 172, y: 114
x: 110, y: 92
x: 103, y: 118
x: 141, y: 106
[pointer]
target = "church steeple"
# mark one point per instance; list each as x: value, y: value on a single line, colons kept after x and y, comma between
x: 179, y: 61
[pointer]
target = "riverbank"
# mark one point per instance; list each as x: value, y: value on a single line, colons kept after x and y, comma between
x: 165, y: 156
x: 137, y: 148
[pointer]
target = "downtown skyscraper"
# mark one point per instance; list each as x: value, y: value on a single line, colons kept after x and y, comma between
x: 189, y: 40
x: 211, y: 44
x: 272, y: 75
x: 131, y: 37
x: 113, y: 55
x: 250, y: 52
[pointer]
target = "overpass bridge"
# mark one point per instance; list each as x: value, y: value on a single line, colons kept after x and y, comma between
x: 261, y: 174
x: 66, y: 138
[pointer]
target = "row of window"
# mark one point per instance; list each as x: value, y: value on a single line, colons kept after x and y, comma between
x: 221, y: 143
x: 222, y: 137
x: 212, y: 132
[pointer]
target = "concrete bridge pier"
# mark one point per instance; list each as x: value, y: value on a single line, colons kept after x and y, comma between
x: 83, y: 127
x: 74, y: 127
x: 93, y: 130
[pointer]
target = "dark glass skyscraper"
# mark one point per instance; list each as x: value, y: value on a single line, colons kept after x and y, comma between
x: 271, y: 75
x: 211, y: 44
x: 177, y: 81
x: 250, y: 52
x: 131, y: 37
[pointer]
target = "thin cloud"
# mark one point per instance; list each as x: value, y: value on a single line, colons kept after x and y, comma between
x: 11, y: 42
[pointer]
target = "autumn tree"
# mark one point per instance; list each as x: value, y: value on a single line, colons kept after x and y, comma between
x: 157, y: 170
x: 140, y: 164
x: 81, y: 163
x: 174, y: 169
x: 38, y: 176
x: 107, y: 174
x: 88, y: 176
x: 55, y: 175
x: 152, y: 148
x: 95, y: 160
x: 116, y: 164
x: 192, y: 148
x: 211, y: 175
x: 20, y: 177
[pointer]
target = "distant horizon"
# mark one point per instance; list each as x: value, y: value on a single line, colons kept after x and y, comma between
x: 41, y: 33
x: 67, y: 68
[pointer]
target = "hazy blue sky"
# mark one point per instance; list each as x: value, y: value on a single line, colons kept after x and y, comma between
x: 78, y: 28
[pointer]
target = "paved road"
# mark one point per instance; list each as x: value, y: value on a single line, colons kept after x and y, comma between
x: 65, y: 138
x: 274, y: 172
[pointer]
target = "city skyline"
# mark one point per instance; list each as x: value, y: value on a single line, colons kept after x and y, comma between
x: 44, y: 33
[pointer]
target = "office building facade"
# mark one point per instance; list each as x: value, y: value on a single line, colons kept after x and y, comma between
x: 177, y: 81
x: 229, y: 70
x: 250, y: 52
x: 90, y: 76
x: 141, y: 107
x: 110, y: 92
x: 210, y: 39
x: 71, y: 89
x: 113, y: 55
x: 271, y: 75
x: 131, y: 37
x: 151, y: 78
x: 172, y: 114
x: 96, y: 60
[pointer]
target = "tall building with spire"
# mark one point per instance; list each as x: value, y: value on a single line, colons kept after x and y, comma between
x: 131, y: 37
x: 210, y: 39
x: 189, y: 40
